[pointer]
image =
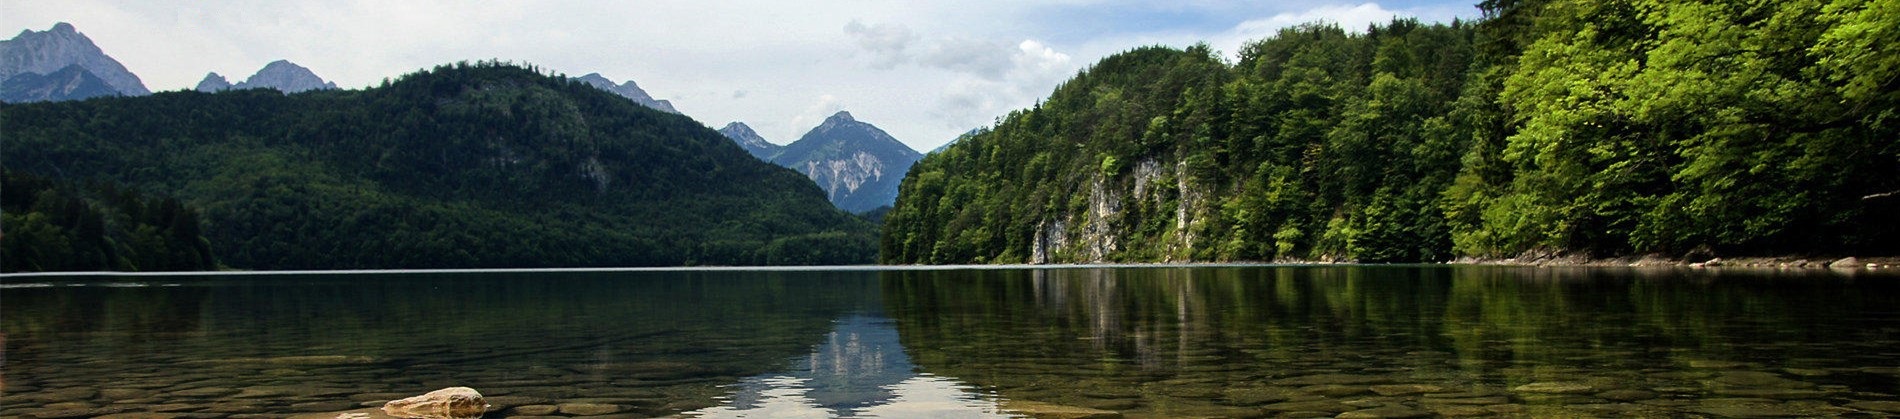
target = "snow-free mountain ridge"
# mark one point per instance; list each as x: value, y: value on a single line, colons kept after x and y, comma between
x: 750, y: 140
x: 628, y: 90
x: 46, y: 52
x: 858, y: 165
x: 283, y: 75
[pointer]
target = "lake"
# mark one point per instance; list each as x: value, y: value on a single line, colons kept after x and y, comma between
x: 1240, y: 341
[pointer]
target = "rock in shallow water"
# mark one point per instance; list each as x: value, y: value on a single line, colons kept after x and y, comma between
x: 1042, y: 410
x: 448, y: 403
x: 1394, y: 412
x: 1555, y: 387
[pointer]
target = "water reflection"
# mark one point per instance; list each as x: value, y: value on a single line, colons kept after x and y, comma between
x: 860, y: 370
x: 1155, y: 342
x: 1454, y: 341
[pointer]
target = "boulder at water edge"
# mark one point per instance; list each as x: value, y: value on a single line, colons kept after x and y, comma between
x: 448, y: 403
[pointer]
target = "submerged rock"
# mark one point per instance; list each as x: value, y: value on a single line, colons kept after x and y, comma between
x: 1845, y: 263
x: 448, y: 403
x: 1555, y: 387
x: 1877, y: 406
x: 1055, y: 411
x: 1394, y: 412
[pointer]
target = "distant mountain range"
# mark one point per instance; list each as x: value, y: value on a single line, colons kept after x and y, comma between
x: 61, y: 64
x: 282, y: 75
x: 628, y: 90
x: 437, y: 169
x: 858, y: 165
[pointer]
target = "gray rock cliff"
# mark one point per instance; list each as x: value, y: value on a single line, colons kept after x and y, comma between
x: 49, y: 51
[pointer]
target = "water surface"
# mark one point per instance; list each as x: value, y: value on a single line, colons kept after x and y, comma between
x: 1138, y: 342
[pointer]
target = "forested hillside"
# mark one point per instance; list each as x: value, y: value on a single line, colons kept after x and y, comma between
x: 1596, y: 128
x: 54, y: 226
x: 463, y: 166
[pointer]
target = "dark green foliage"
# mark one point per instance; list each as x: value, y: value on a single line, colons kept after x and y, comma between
x: 57, y: 226
x: 465, y: 166
x: 1600, y: 128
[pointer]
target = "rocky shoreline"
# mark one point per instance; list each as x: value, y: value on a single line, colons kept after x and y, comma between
x: 1775, y: 262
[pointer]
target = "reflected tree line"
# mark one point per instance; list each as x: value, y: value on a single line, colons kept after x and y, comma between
x: 1471, y: 324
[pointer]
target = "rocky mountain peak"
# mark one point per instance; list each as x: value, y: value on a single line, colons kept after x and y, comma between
x: 46, y: 52
x: 285, y: 76
x: 213, y: 83
x: 739, y: 128
x: 629, y: 90
x: 857, y: 164
x: 750, y: 140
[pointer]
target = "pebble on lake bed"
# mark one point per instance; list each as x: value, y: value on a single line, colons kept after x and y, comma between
x: 448, y: 403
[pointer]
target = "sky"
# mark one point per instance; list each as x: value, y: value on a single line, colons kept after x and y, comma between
x: 923, y: 71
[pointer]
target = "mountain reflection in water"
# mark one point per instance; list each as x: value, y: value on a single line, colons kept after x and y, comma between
x: 859, y: 371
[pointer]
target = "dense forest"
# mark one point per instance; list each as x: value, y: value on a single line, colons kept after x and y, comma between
x: 1594, y: 128
x: 55, y: 226
x: 483, y: 165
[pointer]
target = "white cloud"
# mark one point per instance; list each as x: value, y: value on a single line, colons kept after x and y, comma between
x: 886, y: 42
x: 821, y: 107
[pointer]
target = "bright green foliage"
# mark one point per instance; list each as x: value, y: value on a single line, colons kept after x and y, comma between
x: 1650, y: 126
x: 1599, y: 128
x: 464, y: 166
x: 52, y: 226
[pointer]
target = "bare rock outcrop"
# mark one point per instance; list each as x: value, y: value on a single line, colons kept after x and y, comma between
x: 448, y: 403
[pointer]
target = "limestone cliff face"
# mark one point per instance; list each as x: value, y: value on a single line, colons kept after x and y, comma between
x: 49, y: 51
x: 1092, y: 235
x: 628, y: 90
x: 858, y: 165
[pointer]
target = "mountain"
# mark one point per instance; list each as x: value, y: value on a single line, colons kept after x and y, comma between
x: 857, y: 164
x: 628, y: 90
x: 282, y: 75
x: 62, y: 46
x: 213, y: 83
x: 70, y: 83
x: 1414, y: 142
x: 751, y: 141
x: 485, y: 165
x: 960, y: 138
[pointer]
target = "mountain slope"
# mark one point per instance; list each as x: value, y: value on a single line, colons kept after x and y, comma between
x: 750, y: 140
x: 464, y: 166
x: 70, y: 83
x: 45, y: 52
x: 627, y: 90
x: 857, y: 164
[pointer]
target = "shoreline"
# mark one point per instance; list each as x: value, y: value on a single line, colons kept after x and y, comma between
x: 1775, y: 262
x: 1779, y: 262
